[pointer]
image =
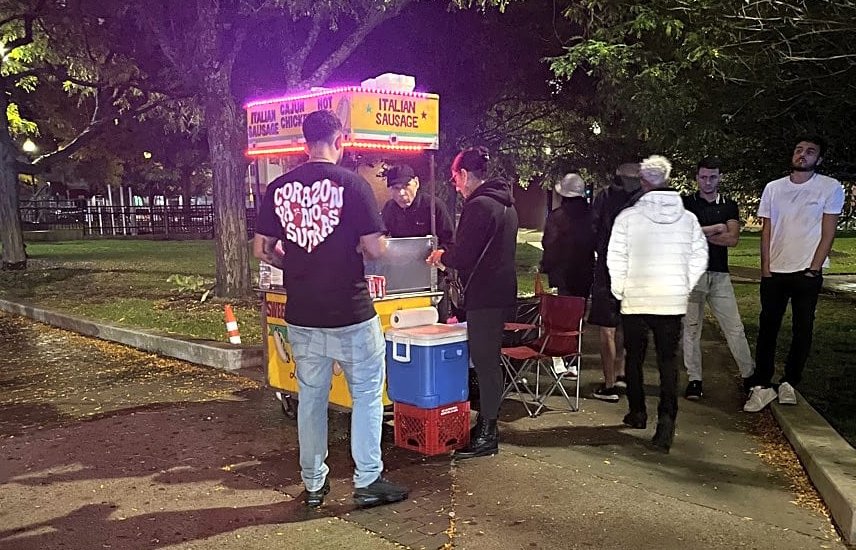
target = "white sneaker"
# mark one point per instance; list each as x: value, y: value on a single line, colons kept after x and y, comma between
x: 787, y: 395
x: 759, y: 398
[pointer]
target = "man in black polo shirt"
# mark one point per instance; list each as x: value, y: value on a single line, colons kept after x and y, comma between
x: 720, y: 221
x: 408, y: 212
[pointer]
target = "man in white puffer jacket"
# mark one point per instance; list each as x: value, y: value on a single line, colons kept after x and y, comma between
x: 657, y: 253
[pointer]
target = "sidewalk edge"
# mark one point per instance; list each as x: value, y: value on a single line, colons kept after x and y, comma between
x: 202, y: 352
x: 827, y: 457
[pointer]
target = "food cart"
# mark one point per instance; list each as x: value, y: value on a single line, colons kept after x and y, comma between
x: 381, y: 126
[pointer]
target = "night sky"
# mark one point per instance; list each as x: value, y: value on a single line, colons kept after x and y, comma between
x: 468, y: 57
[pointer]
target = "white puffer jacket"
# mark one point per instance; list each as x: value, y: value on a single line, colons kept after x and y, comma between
x: 657, y: 253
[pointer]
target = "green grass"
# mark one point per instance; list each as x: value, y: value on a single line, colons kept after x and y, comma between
x: 842, y: 259
x: 828, y: 382
x: 125, y: 282
x: 526, y: 261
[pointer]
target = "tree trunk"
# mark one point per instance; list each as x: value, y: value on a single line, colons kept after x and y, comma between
x: 230, y: 212
x: 11, y: 233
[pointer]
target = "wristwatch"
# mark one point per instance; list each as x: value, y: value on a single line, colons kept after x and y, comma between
x: 813, y: 272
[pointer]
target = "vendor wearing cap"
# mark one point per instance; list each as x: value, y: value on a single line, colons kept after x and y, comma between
x: 569, y: 240
x: 408, y: 212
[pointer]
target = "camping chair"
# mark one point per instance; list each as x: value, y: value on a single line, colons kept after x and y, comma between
x: 553, y: 354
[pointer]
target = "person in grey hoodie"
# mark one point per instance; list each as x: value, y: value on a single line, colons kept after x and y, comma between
x: 483, y: 254
x: 657, y: 252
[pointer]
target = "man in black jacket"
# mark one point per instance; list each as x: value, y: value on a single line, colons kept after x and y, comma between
x: 605, y: 309
x: 408, y: 212
x: 568, y: 241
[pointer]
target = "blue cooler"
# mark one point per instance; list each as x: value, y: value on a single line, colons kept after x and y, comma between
x: 427, y: 366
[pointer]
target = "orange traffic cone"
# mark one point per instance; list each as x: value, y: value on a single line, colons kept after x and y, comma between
x: 232, y: 326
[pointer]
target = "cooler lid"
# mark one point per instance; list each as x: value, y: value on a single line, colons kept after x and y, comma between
x: 427, y: 335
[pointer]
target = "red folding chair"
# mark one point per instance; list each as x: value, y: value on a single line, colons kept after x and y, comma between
x: 556, y: 353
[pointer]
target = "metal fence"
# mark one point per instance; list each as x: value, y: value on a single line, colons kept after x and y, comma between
x: 129, y: 221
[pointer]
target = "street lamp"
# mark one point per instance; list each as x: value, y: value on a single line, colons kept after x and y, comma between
x: 29, y: 146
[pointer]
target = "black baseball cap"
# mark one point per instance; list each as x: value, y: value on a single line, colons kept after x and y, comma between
x: 399, y: 174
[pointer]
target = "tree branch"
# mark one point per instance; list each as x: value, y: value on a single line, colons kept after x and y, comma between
x: 162, y: 39
x: 294, y: 62
x: 350, y: 44
x: 28, y: 34
x: 100, y: 116
x: 240, y: 35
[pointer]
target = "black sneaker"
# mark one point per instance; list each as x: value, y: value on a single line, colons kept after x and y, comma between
x: 314, y: 499
x: 606, y: 394
x: 382, y: 491
x: 621, y: 382
x: 694, y: 390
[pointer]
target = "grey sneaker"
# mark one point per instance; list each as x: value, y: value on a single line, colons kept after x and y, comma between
x: 381, y: 491
x: 759, y: 398
x: 787, y: 395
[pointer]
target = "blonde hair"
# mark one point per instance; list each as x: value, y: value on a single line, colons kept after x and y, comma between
x: 655, y: 170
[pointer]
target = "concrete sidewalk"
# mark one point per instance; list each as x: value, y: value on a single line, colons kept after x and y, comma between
x: 105, y: 447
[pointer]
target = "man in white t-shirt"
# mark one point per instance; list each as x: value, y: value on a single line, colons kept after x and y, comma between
x: 799, y: 214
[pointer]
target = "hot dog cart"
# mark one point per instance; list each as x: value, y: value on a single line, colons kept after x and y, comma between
x: 381, y: 127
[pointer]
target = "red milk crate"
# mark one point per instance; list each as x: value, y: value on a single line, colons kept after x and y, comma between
x: 432, y: 431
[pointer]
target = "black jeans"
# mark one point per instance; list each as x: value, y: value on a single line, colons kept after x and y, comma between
x: 484, y: 336
x: 802, y: 291
x: 667, y: 335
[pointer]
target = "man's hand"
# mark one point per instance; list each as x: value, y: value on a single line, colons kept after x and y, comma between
x: 372, y: 246
x: 265, y: 249
x: 434, y: 259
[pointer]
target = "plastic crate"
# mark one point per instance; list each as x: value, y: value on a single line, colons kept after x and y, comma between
x: 432, y: 431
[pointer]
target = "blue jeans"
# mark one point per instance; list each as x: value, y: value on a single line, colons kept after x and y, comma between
x: 361, y: 352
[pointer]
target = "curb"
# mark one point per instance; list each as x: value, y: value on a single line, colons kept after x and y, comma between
x: 202, y: 352
x: 827, y: 457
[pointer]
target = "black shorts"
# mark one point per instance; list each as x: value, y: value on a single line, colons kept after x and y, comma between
x: 605, y: 308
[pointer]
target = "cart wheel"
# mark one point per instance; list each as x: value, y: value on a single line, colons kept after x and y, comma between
x: 289, y: 407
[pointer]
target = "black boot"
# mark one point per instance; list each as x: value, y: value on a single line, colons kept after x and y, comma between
x: 484, y: 440
x: 665, y: 434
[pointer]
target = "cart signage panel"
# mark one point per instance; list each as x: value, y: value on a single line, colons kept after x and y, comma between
x: 378, y: 119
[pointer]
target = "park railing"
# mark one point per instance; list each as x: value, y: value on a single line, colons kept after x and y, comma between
x: 126, y: 221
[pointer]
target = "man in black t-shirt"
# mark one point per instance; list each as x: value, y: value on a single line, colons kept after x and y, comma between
x: 720, y: 220
x: 327, y: 220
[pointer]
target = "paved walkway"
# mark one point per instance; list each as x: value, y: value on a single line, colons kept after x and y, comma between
x: 106, y: 447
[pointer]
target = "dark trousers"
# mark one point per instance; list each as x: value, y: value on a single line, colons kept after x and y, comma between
x: 802, y: 291
x: 484, y: 336
x: 667, y: 334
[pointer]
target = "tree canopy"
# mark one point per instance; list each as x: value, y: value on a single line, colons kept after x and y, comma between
x: 691, y: 77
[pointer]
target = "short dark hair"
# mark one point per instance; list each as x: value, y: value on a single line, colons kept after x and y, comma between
x: 321, y: 126
x: 816, y: 139
x: 475, y: 160
x: 711, y: 163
